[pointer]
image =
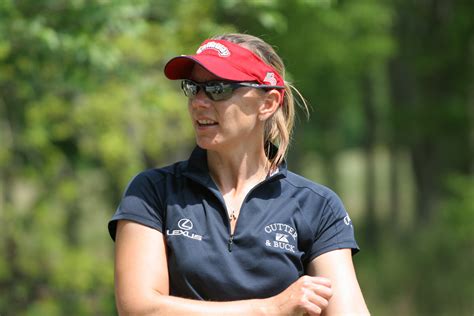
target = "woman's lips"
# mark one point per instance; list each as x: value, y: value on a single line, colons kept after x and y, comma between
x: 203, y: 123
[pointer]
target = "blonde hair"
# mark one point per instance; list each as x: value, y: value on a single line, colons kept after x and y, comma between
x: 278, y: 129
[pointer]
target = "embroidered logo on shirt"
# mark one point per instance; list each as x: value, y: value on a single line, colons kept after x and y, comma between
x: 280, y: 240
x: 185, y: 226
x: 347, y: 220
x: 281, y: 237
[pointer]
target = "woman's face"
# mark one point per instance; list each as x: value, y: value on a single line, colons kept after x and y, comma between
x: 227, y: 124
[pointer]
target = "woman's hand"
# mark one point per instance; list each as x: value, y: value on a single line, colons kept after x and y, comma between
x: 306, y: 296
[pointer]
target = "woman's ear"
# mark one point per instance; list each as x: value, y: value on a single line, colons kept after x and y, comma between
x: 269, y: 105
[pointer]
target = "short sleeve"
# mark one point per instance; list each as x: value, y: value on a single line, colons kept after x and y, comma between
x: 140, y: 203
x: 335, y: 229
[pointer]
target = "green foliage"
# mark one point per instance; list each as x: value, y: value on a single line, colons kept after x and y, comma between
x: 428, y: 271
x: 84, y: 106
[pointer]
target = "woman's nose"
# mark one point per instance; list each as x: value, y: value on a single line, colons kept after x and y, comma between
x: 200, y: 100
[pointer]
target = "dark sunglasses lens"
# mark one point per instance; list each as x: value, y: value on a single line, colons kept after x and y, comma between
x: 189, y: 88
x: 218, y: 91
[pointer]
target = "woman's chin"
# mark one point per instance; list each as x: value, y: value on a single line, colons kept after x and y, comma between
x: 208, y: 144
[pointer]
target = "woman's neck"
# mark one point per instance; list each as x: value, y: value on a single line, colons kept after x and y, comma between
x: 238, y: 169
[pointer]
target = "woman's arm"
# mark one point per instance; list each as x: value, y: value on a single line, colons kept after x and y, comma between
x: 347, y: 297
x: 142, y: 285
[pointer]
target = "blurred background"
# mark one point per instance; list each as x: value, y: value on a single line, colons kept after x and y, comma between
x: 84, y: 106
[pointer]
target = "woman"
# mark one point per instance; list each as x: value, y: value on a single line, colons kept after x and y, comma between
x: 230, y: 231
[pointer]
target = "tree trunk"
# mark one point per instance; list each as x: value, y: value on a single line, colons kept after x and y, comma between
x: 394, y: 188
x: 369, y: 151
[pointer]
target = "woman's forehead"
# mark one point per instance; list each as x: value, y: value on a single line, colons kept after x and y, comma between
x: 201, y: 74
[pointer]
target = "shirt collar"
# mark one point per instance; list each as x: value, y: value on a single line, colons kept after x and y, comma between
x: 198, y: 169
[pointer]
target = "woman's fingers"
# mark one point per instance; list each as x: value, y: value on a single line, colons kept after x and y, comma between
x: 322, y: 289
x: 307, y: 295
x: 319, y: 285
x: 317, y: 292
x: 317, y: 300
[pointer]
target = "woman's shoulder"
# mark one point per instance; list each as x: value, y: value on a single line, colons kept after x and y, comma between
x: 157, y: 174
x: 311, y: 187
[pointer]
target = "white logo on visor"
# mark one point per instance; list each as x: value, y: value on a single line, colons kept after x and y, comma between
x: 218, y: 47
x: 270, y: 78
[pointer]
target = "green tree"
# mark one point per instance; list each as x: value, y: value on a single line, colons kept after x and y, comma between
x: 84, y: 106
x: 431, y: 78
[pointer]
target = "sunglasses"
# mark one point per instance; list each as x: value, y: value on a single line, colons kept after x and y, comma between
x: 219, y: 90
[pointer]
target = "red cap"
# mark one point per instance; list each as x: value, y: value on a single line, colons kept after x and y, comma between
x: 226, y: 60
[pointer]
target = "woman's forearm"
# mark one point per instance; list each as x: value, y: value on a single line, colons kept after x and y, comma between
x: 172, y: 305
x: 306, y: 295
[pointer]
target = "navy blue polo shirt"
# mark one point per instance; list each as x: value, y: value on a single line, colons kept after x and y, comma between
x: 284, y: 223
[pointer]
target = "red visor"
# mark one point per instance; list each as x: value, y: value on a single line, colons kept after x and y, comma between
x: 226, y: 60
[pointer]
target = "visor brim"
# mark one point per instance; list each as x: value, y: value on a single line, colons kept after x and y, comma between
x: 181, y: 67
